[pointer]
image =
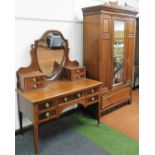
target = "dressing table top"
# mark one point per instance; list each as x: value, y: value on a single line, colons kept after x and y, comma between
x: 58, y: 88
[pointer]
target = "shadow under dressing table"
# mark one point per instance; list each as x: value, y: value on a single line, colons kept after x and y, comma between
x: 52, y: 83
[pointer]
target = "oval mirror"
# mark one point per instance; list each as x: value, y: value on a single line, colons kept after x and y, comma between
x: 51, y: 53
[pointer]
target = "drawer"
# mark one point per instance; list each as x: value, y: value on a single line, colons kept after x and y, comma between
x: 121, y: 95
x: 31, y: 86
x: 78, y: 76
x: 65, y: 105
x: 31, y: 80
x: 34, y: 79
x: 92, y: 99
x: 52, y: 113
x: 72, y: 97
x: 92, y: 91
x: 106, y: 101
x: 79, y: 70
x: 47, y: 105
x: 116, y: 97
x: 74, y: 73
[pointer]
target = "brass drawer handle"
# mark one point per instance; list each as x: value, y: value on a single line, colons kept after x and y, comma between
x: 79, y: 76
x: 47, y: 114
x: 47, y: 105
x: 92, y: 90
x: 34, y: 86
x: 93, y: 98
x: 78, y: 71
x: 34, y: 79
x: 65, y: 99
x: 78, y: 95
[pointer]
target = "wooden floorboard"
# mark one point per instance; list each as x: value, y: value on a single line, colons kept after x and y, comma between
x: 125, y: 119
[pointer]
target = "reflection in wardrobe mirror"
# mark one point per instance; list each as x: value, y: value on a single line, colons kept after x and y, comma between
x: 51, y: 53
x: 118, y: 55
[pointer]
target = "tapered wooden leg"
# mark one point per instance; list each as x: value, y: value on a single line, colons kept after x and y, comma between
x: 130, y: 101
x: 98, y: 119
x: 35, y: 134
x: 98, y: 122
x: 98, y: 115
x: 21, y: 122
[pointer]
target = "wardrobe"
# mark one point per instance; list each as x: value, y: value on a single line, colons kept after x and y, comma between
x: 108, y: 51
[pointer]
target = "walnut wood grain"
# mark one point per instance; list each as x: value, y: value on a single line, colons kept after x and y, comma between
x: 47, y: 102
x: 35, y: 61
x: 74, y: 72
x: 113, y: 8
x: 57, y: 89
x: 31, y: 80
x: 98, y: 40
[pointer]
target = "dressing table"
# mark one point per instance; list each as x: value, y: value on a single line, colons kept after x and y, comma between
x: 52, y: 83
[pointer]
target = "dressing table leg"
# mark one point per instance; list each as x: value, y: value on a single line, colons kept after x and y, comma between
x: 21, y: 122
x: 98, y: 120
x: 98, y: 112
x: 98, y: 117
x: 35, y: 135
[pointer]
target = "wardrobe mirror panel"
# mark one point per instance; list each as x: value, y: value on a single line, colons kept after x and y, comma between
x: 118, y: 55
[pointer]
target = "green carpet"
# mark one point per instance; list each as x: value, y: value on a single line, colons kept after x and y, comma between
x: 103, y: 136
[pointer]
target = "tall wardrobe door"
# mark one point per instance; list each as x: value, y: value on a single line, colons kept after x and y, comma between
x: 130, y: 47
x: 105, y: 53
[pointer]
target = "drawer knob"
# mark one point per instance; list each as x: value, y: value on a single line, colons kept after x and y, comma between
x: 34, y: 79
x: 34, y: 86
x: 47, y: 105
x: 65, y: 99
x: 78, y: 95
x: 92, y: 90
x: 93, y: 98
x: 47, y: 114
x: 78, y: 71
x: 79, y: 76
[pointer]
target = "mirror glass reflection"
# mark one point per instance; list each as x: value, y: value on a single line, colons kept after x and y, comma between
x: 51, y: 53
x: 118, y: 55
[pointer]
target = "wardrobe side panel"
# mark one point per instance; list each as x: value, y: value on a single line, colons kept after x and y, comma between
x: 106, y: 51
x: 131, y: 24
x: 91, y: 45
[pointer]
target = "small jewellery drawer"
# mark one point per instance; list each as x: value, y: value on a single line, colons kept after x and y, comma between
x: 31, y: 80
x: 34, y: 79
x: 78, y: 76
x: 47, y: 105
x: 92, y: 99
x: 79, y: 70
x: 72, y: 97
x: 92, y: 91
x: 48, y: 115
x: 35, y: 85
x: 74, y: 73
